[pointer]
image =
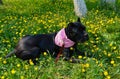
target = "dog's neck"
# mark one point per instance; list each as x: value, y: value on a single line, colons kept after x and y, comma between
x: 62, y: 39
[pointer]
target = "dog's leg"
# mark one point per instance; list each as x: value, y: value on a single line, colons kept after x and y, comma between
x: 67, y: 55
x: 30, y: 54
x: 78, y: 52
x: 10, y: 54
x: 82, y: 53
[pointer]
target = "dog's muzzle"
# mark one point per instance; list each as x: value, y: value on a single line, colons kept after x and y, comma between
x: 84, y: 38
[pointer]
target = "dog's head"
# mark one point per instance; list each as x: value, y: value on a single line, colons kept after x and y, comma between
x: 76, y: 31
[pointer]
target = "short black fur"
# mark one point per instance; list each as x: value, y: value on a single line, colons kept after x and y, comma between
x: 31, y: 46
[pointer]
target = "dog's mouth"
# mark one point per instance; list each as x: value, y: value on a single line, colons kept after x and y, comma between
x: 84, y: 39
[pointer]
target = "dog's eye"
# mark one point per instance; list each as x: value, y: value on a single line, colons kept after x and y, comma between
x: 82, y: 28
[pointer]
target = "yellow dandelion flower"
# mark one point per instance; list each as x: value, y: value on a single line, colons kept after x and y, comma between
x: 94, y: 46
x: 0, y: 58
x: 79, y: 56
x: 26, y: 67
x: 114, y: 65
x: 6, y: 73
x: 84, y: 57
x: 112, y: 62
x: 97, y: 49
x: 100, y: 64
x: 35, y: 68
x: 86, y: 43
x: 87, y: 65
x: 22, y: 77
x: 13, y: 71
x: 34, y: 32
x: 97, y: 38
x: 109, y: 54
x: 36, y: 59
x: 70, y: 60
x: 96, y: 62
x: 110, y: 44
x: 93, y: 50
x: 71, y: 48
x: 2, y: 77
x: 31, y: 62
x: 93, y: 58
x: 92, y: 41
x: 16, y: 33
x: 4, y: 62
x: 83, y: 70
x: 118, y: 57
x: 105, y: 52
x: 45, y: 53
x: 114, y: 47
x: 87, y: 22
x: 105, y: 73
x: 18, y: 65
x: 108, y: 77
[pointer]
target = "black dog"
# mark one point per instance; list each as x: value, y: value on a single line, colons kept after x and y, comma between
x: 31, y: 46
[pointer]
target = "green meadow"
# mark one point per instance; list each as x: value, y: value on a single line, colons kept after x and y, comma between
x: 23, y: 17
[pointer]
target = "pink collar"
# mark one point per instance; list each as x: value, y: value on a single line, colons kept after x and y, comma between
x: 61, y: 39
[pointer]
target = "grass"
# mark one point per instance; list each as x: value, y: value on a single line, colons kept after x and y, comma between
x: 22, y: 17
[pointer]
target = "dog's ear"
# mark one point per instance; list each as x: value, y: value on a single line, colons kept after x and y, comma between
x: 71, y: 27
x: 78, y: 20
x: 70, y: 24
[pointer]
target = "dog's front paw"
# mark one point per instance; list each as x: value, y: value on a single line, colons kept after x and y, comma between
x: 74, y: 60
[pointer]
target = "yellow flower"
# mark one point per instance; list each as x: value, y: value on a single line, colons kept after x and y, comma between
x: 97, y: 49
x: 31, y: 62
x: 0, y: 58
x: 18, y: 65
x: 105, y: 52
x: 114, y: 65
x: 84, y: 57
x: 13, y: 71
x: 109, y: 54
x: 110, y: 44
x: 86, y: 43
x: 21, y: 77
x: 35, y: 68
x: 118, y: 57
x: 87, y: 65
x: 35, y: 32
x: 26, y: 67
x: 108, y: 77
x: 4, y: 62
x: 105, y: 73
x: 45, y: 53
x: 79, y: 56
x: 112, y: 62
x: 36, y: 59
x: 2, y: 77
x: 114, y: 47
x: 71, y: 48
x: 6, y: 73
x: 70, y: 60
x: 96, y: 62
x: 100, y: 64
x: 83, y: 70
x: 93, y: 50
x: 97, y: 38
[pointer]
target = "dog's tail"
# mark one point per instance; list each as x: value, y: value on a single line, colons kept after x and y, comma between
x: 10, y: 54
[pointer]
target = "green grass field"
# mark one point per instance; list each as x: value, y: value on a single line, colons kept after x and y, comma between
x: 23, y: 17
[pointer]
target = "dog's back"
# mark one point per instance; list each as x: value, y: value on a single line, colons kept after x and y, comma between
x: 31, y: 46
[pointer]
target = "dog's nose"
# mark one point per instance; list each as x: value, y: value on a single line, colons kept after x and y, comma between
x: 85, y: 34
